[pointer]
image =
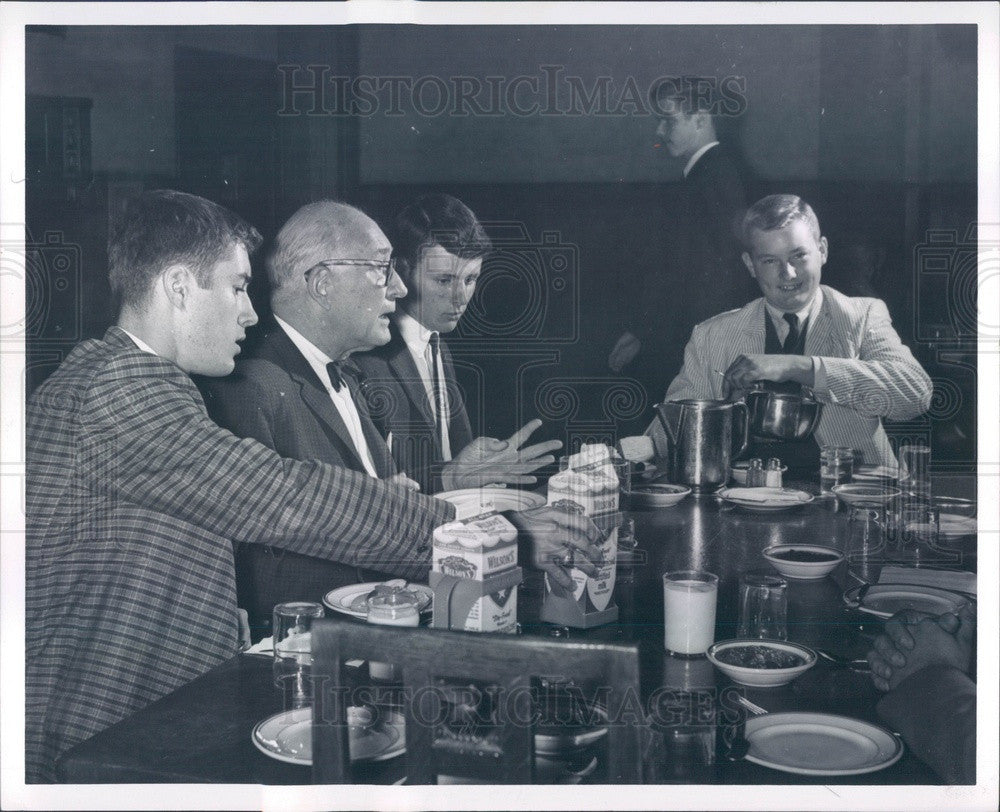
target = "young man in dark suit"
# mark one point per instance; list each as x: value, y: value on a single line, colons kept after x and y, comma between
x: 696, y: 271
x: 439, y: 246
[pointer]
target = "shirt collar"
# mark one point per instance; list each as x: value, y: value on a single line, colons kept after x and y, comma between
x: 694, y: 158
x: 314, y: 355
x: 414, y: 334
x: 807, y: 312
x: 142, y: 345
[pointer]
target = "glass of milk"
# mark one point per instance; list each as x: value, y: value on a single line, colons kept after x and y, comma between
x: 689, y: 598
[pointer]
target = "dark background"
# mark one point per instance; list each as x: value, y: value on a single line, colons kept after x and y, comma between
x: 875, y: 126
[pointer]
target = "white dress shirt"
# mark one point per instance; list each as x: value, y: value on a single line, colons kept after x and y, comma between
x: 142, y: 345
x: 342, y: 400
x: 417, y: 340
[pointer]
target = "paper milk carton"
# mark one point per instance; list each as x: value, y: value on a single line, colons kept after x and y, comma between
x: 591, y: 487
x: 475, y: 575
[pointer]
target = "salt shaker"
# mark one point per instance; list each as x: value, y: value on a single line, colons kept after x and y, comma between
x: 773, y: 473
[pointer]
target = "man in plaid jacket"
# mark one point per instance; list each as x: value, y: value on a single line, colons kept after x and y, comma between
x: 135, y: 497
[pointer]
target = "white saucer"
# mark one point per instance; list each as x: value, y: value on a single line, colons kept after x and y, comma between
x: 473, y: 501
x: 820, y: 744
x: 765, y: 500
x: 341, y: 599
x: 287, y: 736
x: 884, y: 600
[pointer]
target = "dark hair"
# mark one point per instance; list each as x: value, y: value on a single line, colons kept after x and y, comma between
x: 438, y: 220
x: 777, y: 211
x: 163, y: 227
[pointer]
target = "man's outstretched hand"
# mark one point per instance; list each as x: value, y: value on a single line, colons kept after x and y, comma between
x: 560, y: 540
x: 487, y: 460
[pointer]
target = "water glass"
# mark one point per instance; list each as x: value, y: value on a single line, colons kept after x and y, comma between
x: 689, y: 598
x: 763, y: 607
x: 292, y: 625
x: 866, y: 537
x: 918, y: 526
x: 915, y: 471
x: 836, y: 466
x: 396, y: 608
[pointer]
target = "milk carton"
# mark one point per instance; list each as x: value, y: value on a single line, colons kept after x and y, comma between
x: 475, y: 547
x: 474, y: 575
x: 588, y: 486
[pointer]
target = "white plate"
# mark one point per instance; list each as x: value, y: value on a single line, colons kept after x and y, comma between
x: 820, y: 744
x: 287, y: 736
x: 884, y: 600
x: 951, y: 525
x: 473, y: 501
x: 657, y: 495
x: 765, y: 500
x: 341, y: 599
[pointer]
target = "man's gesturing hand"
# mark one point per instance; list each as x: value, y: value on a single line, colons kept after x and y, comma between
x: 554, y: 533
x: 486, y: 460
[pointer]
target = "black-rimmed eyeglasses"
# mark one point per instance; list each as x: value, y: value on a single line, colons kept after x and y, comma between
x: 384, y: 267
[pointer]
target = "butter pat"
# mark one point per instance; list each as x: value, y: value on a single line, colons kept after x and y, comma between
x: 475, y: 548
x: 590, y: 454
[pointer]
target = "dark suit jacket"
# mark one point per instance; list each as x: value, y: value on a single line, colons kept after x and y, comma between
x: 275, y: 397
x: 134, y: 499
x: 698, y: 271
x: 399, y: 403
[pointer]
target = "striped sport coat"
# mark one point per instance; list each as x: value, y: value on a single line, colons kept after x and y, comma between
x: 134, y: 499
x: 870, y: 373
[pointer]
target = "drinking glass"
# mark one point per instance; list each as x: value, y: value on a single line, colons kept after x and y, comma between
x: 915, y: 471
x: 763, y: 607
x: 836, y: 466
x: 918, y: 526
x: 689, y: 598
x: 866, y: 537
x: 397, y: 608
x: 292, y: 625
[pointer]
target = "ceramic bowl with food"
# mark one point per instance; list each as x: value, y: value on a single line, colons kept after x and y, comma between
x: 807, y: 562
x: 739, y: 471
x: 656, y: 495
x: 761, y: 663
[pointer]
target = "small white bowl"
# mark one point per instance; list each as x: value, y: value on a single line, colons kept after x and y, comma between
x: 803, y: 570
x: 657, y: 495
x: 739, y: 472
x: 857, y: 493
x: 762, y: 677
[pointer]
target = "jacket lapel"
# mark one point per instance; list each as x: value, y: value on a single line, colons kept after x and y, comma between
x: 312, y: 391
x: 402, y: 366
x: 818, y: 335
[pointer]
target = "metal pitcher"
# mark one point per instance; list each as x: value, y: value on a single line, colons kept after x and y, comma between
x: 702, y: 441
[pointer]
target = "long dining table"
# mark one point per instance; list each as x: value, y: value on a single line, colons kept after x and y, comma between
x: 201, y: 733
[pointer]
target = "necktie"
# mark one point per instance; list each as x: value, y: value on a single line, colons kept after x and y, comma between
x: 792, y: 339
x: 439, y: 414
x: 336, y: 378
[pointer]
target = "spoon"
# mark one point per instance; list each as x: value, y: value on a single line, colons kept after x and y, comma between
x: 859, y: 664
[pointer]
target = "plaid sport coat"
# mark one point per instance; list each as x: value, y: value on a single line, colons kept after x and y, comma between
x: 134, y: 499
x: 870, y: 373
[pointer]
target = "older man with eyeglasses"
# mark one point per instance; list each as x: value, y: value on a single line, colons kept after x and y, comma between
x: 333, y: 286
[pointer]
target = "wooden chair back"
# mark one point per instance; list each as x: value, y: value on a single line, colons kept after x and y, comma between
x: 508, y: 662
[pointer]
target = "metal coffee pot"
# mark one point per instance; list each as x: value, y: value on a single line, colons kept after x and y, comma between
x: 702, y: 441
x: 778, y: 415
